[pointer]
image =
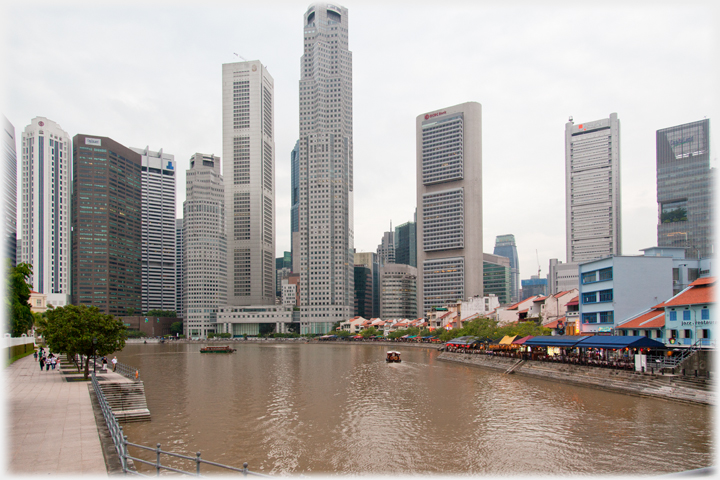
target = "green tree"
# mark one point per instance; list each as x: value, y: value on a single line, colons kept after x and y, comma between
x: 18, y: 293
x: 176, y: 328
x: 71, y: 330
x: 369, y: 332
x: 130, y: 311
x: 162, y: 313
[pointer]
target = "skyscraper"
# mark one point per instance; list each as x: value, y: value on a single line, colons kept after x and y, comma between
x: 8, y: 208
x: 179, y: 272
x: 386, y: 249
x: 106, y: 225
x: 592, y: 189
x: 294, y: 200
x: 371, y: 286
x: 326, y: 171
x: 46, y: 208
x: 249, y: 172
x: 685, y: 193
x: 398, y: 291
x: 497, y: 277
x: 205, y: 243
x: 449, y: 203
x: 505, y: 247
x: 158, y: 230
x: 406, y: 244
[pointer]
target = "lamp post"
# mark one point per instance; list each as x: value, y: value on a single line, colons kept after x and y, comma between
x: 94, y: 343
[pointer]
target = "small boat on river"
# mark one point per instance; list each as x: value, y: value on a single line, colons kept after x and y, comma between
x: 393, y: 357
x: 225, y: 349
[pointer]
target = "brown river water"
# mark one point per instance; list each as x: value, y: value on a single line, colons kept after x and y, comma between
x: 290, y: 409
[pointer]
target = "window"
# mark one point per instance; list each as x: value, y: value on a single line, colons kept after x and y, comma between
x: 589, y: 317
x: 705, y: 314
x: 605, y: 274
x: 589, y: 297
x: 673, y: 316
x: 589, y: 277
x: 606, y: 295
x: 686, y: 314
x: 606, y: 317
x: 687, y: 334
x: 705, y: 333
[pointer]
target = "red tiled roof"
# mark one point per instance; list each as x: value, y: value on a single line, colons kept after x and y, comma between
x: 655, y: 318
x: 693, y: 295
x: 554, y: 323
x: 560, y: 294
x: 539, y: 299
x: 523, y: 311
x: 574, y: 301
x: 703, y: 281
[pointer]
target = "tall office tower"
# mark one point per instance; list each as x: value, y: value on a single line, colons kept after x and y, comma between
x: 371, y: 261
x: 249, y: 170
x: 326, y: 171
x: 505, y: 247
x: 592, y: 189
x: 398, y: 291
x: 363, y: 292
x: 406, y: 244
x: 294, y: 200
x: 497, y: 277
x: 205, y: 259
x: 8, y: 208
x: 449, y: 202
x: 685, y: 192
x: 179, y: 272
x: 386, y: 249
x: 45, y: 201
x: 106, y: 225
x: 158, y: 230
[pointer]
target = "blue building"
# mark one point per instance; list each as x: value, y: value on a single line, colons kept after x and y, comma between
x: 505, y: 247
x: 534, y: 286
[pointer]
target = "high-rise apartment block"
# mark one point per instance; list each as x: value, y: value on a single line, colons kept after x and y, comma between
x: 449, y: 202
x: 505, y: 247
x: 45, y: 199
x: 406, y: 244
x: 249, y: 171
x: 592, y: 189
x: 326, y: 249
x: 205, y: 258
x: 685, y: 192
x: 8, y: 208
x: 158, y: 230
x: 179, y: 272
x: 106, y: 225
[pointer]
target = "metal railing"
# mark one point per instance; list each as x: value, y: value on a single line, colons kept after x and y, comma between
x: 127, y: 461
x: 662, y: 361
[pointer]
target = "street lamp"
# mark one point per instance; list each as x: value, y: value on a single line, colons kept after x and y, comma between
x: 94, y: 343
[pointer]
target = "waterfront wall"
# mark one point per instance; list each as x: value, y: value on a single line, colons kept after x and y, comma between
x: 669, y: 387
x: 14, y: 346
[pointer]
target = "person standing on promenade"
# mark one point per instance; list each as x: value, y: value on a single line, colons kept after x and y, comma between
x: 42, y: 363
x: 35, y: 355
x: 53, y: 362
x: 114, y: 362
x: 104, y: 363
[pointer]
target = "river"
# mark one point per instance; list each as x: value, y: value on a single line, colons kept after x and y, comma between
x: 342, y: 410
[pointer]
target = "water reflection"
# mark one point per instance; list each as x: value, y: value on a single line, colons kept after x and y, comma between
x: 342, y: 409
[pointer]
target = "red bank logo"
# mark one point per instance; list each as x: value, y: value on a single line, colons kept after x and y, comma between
x: 431, y: 115
x: 41, y: 123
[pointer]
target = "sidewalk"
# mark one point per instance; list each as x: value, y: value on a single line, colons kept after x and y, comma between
x: 51, y: 426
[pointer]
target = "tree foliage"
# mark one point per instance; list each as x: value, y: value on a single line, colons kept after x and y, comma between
x: 369, y: 332
x: 486, y: 327
x: 71, y: 330
x: 161, y: 313
x: 20, y: 318
x: 176, y: 328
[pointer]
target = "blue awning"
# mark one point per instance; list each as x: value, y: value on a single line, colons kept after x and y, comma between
x: 554, y: 340
x: 615, y: 341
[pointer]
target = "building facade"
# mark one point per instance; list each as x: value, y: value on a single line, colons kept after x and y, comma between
x: 45, y: 202
x: 179, y: 272
x: 294, y: 199
x: 8, y: 209
x: 592, y: 189
x: 106, y: 225
x: 497, y: 277
x: 685, y: 192
x: 363, y: 291
x: 249, y: 172
x: 398, y: 291
x: 449, y: 203
x: 562, y: 276
x: 386, y: 249
x: 370, y: 260
x: 158, y: 230
x: 326, y: 240
x: 533, y: 286
x: 205, y: 259
x: 406, y: 244
x: 505, y: 247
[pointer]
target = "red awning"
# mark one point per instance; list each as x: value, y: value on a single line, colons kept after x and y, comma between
x: 520, y: 341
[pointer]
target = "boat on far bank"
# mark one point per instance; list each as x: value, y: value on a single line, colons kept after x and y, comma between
x: 393, y: 357
x: 225, y: 349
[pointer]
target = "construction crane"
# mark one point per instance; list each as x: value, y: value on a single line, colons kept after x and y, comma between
x: 538, y: 261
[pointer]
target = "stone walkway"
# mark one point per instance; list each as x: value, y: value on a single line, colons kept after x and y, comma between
x: 50, y: 427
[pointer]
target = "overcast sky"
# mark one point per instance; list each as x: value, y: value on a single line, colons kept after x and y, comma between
x: 150, y: 75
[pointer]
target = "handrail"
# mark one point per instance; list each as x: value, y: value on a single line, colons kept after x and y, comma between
x: 121, y: 443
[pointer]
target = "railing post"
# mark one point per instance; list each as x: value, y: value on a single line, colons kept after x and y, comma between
x: 197, y: 463
x: 157, y: 463
x: 245, y: 469
x: 124, y: 453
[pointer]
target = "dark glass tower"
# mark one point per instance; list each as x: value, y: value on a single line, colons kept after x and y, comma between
x: 406, y: 244
x: 106, y: 240
x: 685, y: 188
x: 505, y: 247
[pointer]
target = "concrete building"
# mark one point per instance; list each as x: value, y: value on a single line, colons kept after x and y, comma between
x: 45, y: 202
x: 561, y: 276
x: 497, y: 277
x: 398, y: 291
x: 158, y: 230
x: 449, y: 203
x: 685, y: 189
x: 290, y: 292
x: 106, y: 225
x: 386, y: 249
x: 505, y: 247
x: 179, y: 272
x: 613, y: 289
x: 685, y: 270
x: 205, y: 246
x: 326, y: 263
x: 534, y: 286
x: 249, y: 173
x: 256, y: 320
x: 8, y: 208
x: 406, y: 244
x: 371, y: 261
x: 592, y: 189
x: 294, y: 201
x: 364, y: 287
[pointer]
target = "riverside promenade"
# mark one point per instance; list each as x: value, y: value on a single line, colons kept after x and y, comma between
x: 50, y: 426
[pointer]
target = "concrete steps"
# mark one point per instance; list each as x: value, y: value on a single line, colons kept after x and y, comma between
x: 127, y: 400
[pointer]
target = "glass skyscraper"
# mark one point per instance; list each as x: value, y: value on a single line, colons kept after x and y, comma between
x: 406, y: 244
x: 505, y: 247
x: 685, y: 188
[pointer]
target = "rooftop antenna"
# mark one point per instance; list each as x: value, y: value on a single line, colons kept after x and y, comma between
x: 243, y: 59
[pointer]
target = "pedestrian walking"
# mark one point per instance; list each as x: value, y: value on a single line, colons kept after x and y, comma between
x: 104, y: 363
x: 114, y: 362
x: 47, y: 364
x: 53, y: 362
x: 35, y: 355
x: 42, y: 363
